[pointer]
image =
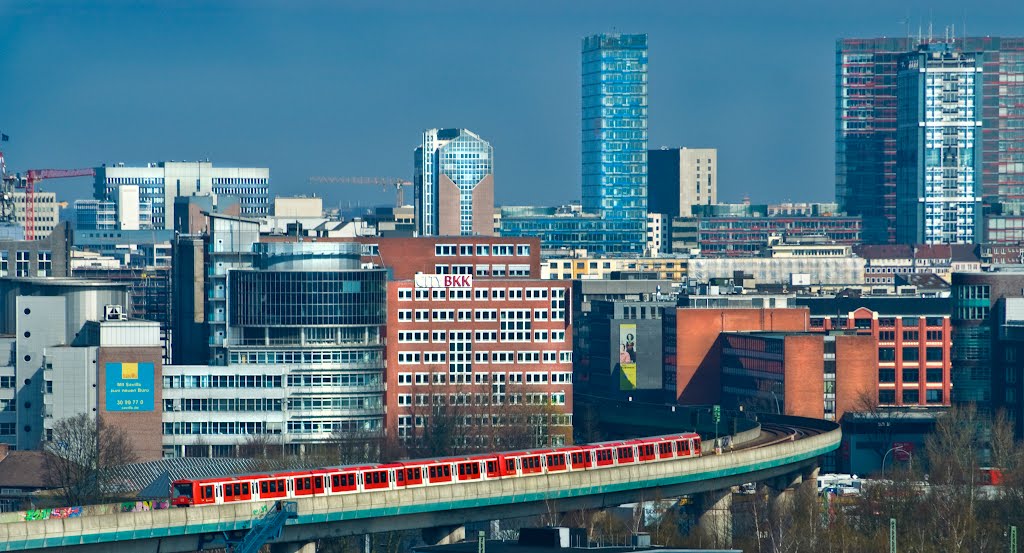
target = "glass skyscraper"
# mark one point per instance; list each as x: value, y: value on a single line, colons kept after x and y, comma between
x: 866, y: 121
x: 454, y: 183
x: 615, y: 137
x: 938, y: 145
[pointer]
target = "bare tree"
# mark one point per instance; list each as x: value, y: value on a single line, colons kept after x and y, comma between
x: 79, y: 455
x: 884, y: 422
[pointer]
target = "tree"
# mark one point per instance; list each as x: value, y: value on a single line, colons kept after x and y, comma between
x: 80, y: 454
x: 884, y: 422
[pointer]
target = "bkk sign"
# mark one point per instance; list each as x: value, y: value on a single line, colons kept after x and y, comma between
x: 444, y: 281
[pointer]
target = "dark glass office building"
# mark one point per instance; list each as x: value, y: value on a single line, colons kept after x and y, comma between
x: 866, y: 125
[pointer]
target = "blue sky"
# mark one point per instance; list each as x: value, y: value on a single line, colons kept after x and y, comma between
x: 345, y: 88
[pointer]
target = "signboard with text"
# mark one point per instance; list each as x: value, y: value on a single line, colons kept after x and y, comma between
x: 130, y: 386
x: 444, y: 281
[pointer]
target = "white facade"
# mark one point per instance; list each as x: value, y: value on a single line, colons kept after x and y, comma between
x: 698, y: 178
x: 659, y: 229
x: 160, y: 183
x: 822, y: 270
x: 47, y: 213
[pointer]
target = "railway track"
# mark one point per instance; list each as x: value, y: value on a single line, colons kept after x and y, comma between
x: 774, y: 433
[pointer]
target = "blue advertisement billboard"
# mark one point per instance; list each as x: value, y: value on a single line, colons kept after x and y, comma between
x: 130, y: 386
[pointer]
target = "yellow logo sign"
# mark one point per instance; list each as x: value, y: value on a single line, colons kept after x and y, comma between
x: 130, y: 371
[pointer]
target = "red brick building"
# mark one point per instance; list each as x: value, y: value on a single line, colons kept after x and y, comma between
x: 694, y: 364
x: 914, y: 337
x: 484, y: 356
x: 767, y: 360
x: 480, y: 256
x: 797, y: 373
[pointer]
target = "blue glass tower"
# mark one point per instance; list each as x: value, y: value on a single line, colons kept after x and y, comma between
x: 615, y: 137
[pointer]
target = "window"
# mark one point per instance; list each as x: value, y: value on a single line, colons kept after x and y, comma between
x: 45, y: 261
x: 404, y: 294
x: 910, y: 375
x: 911, y: 354
x: 405, y: 314
x: 911, y: 335
x: 886, y: 354
x: 444, y: 249
x: 887, y: 375
x: 21, y: 263
x: 886, y: 335
x: 911, y: 396
x: 933, y: 396
x: 933, y: 354
x: 886, y: 397
x: 933, y: 375
x: 4, y: 266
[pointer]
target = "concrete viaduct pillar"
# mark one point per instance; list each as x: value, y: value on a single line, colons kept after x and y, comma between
x: 781, y: 490
x: 715, y: 519
x: 293, y: 547
x: 444, y: 535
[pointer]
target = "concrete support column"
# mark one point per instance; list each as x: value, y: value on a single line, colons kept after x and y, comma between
x: 781, y: 491
x: 715, y: 519
x: 444, y: 535
x: 293, y: 547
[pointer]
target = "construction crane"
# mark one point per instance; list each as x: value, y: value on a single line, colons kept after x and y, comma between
x: 383, y: 182
x: 28, y: 183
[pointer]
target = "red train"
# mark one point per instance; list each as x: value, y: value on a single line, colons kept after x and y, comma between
x: 431, y: 472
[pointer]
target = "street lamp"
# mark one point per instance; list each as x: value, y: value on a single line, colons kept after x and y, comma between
x: 900, y: 449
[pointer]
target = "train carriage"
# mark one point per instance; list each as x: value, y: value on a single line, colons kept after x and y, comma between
x: 428, y: 472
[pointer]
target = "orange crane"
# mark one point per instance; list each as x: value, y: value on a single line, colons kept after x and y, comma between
x: 383, y: 182
x: 28, y: 182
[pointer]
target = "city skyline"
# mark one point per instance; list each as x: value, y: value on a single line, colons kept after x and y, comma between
x: 214, y: 94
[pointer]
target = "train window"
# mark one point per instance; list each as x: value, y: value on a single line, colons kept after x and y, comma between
x: 245, y: 489
x: 476, y: 468
x: 462, y: 470
x: 401, y: 475
x: 207, y: 492
x: 433, y: 473
x: 510, y: 464
x: 227, y: 490
x: 447, y: 470
x: 491, y: 466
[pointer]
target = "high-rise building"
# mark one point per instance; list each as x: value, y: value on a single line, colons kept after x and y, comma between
x: 615, y: 136
x: 980, y: 366
x: 938, y: 146
x: 680, y: 178
x: 150, y: 190
x: 454, y: 184
x: 866, y: 121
